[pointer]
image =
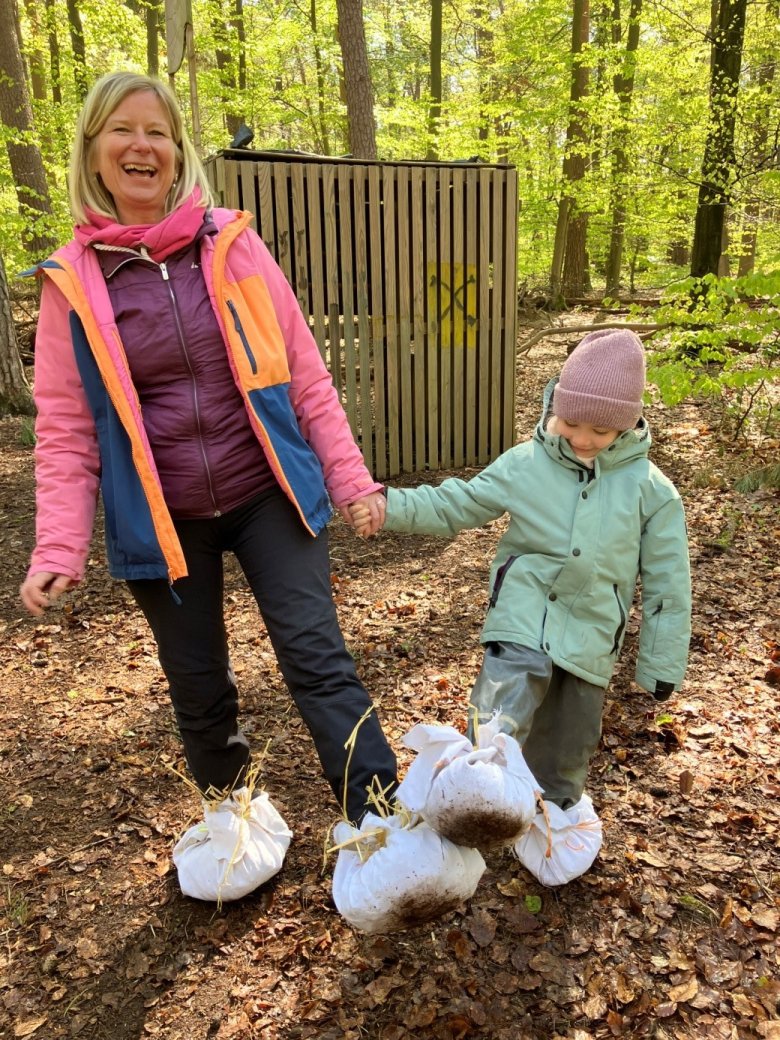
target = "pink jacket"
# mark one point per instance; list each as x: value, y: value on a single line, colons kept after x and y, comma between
x: 90, y: 433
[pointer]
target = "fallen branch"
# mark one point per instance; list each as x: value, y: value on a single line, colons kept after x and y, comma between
x: 596, y: 303
x: 565, y: 330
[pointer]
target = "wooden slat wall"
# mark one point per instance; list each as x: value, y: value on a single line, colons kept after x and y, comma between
x: 389, y: 272
x: 407, y: 274
x: 458, y: 269
x: 444, y: 341
x: 433, y: 300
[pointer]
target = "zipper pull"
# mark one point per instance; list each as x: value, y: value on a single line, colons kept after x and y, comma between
x: 164, y: 271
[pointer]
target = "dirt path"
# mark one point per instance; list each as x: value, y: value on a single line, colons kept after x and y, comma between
x: 673, y: 933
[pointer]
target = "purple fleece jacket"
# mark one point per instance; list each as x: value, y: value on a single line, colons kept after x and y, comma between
x: 207, y: 456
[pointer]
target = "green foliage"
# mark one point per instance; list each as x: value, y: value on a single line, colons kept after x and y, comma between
x: 722, y: 340
x: 697, y: 908
x: 506, y: 75
x: 766, y: 477
x: 15, y: 228
x: 16, y: 904
x: 27, y: 432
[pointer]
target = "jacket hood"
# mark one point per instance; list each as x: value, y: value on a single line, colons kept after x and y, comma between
x: 628, y: 445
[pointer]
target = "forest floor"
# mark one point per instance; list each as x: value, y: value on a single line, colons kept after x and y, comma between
x: 672, y: 934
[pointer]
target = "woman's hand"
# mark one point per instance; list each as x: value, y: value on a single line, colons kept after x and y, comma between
x: 367, y: 514
x: 42, y: 589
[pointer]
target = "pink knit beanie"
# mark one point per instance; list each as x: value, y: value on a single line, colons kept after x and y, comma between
x: 602, y: 381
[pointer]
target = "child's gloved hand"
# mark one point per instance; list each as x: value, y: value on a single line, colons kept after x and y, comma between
x: 663, y: 691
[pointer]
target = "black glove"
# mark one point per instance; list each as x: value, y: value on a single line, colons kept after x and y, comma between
x: 663, y: 691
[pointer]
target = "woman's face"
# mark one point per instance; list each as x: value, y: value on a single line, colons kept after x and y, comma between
x: 135, y: 157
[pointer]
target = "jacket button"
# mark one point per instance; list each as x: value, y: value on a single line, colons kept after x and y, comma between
x: 547, y: 646
x: 552, y: 597
x: 584, y: 494
x: 576, y: 552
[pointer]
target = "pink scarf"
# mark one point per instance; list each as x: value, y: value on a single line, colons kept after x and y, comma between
x: 173, y: 232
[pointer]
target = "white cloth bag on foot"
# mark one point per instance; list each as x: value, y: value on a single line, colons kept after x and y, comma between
x: 240, y: 844
x: 482, y: 796
x: 397, y: 873
x: 564, y: 850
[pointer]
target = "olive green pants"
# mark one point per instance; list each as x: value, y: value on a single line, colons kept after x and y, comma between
x: 554, y: 715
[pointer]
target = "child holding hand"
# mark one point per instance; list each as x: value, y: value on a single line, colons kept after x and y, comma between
x: 589, y: 514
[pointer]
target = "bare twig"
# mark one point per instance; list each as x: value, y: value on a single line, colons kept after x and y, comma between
x: 743, y: 417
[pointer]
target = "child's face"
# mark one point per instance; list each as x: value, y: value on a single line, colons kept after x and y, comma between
x: 586, y: 440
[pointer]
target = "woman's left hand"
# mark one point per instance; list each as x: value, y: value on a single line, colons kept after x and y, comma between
x: 42, y: 589
x: 377, y: 506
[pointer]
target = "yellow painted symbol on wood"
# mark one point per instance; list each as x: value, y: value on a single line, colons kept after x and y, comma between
x: 455, y: 285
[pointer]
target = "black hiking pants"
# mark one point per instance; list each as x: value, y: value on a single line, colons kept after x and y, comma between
x: 288, y: 572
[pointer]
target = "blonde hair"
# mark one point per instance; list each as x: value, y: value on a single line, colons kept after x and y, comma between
x: 86, y: 189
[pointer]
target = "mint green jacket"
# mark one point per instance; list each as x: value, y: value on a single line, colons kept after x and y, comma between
x: 565, y: 571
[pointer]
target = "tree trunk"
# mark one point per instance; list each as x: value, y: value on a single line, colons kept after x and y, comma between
x: 569, y: 255
x: 54, y: 53
x: 678, y: 253
x: 389, y: 32
x: 357, y: 79
x: 37, y: 60
x: 485, y: 50
x: 192, y: 77
x: 576, y: 274
x: 559, y: 251
x: 749, y: 238
x: 238, y: 24
x: 434, y: 112
x: 762, y: 149
x: 227, y: 78
x: 724, y: 262
x: 79, y: 51
x: 623, y: 86
x: 32, y: 190
x: 15, y: 395
x: 153, y: 20
x: 717, y: 170
x: 322, y: 115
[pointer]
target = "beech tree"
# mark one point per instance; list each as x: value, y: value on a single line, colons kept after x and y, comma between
x: 150, y: 13
x: 434, y: 113
x: 623, y: 85
x: 227, y: 28
x: 568, y: 264
x: 78, y: 47
x: 321, y: 120
x: 32, y: 191
x: 54, y: 52
x: 717, y: 170
x: 761, y: 139
x: 15, y: 394
x: 35, y: 52
x: 612, y: 133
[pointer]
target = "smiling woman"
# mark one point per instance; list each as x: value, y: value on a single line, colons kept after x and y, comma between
x: 134, y: 156
x: 176, y: 374
x: 139, y: 111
